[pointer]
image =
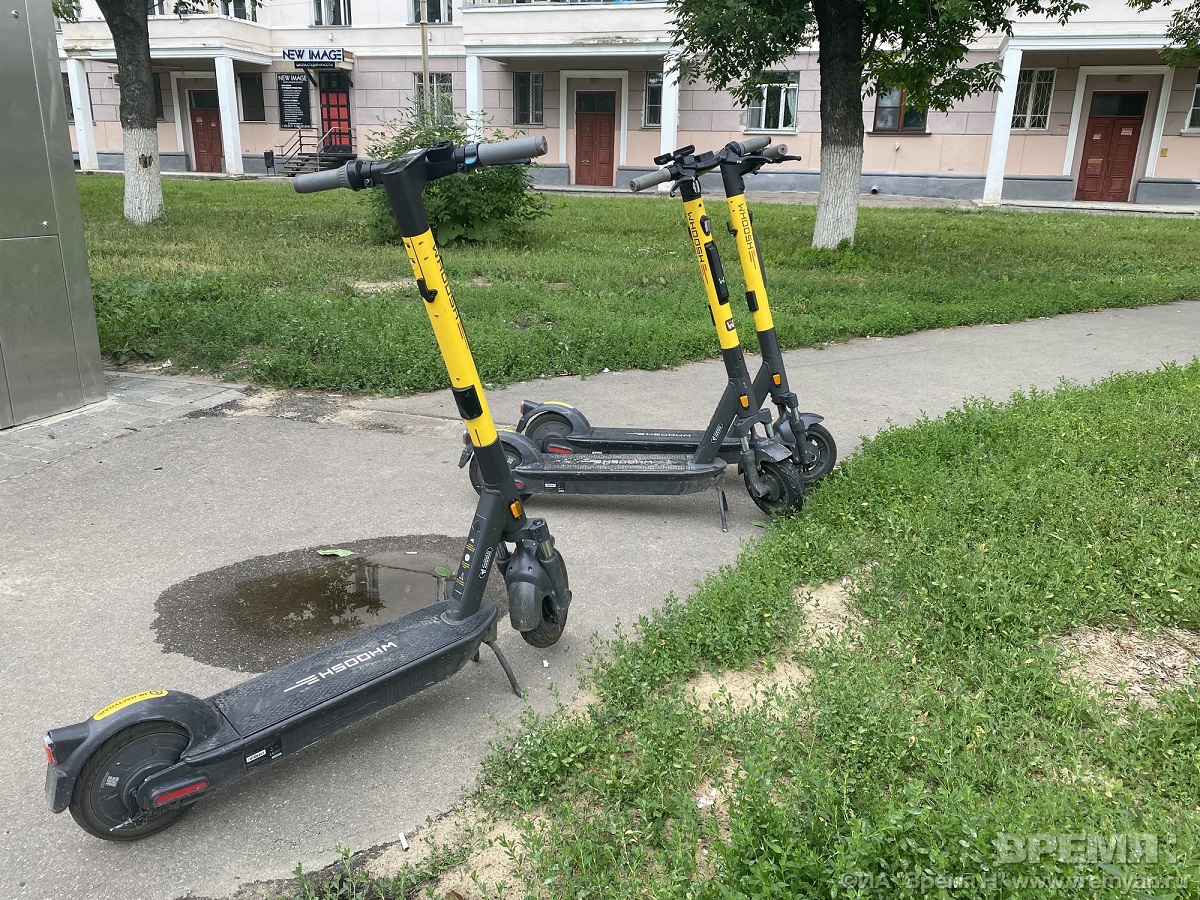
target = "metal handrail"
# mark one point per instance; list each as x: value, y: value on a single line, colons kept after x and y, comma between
x: 295, y: 146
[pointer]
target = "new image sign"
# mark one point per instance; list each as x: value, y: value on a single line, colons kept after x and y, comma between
x: 314, y: 57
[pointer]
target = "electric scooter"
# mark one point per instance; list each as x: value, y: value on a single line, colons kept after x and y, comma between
x: 139, y: 763
x: 545, y: 459
x: 814, y: 451
x: 813, y: 447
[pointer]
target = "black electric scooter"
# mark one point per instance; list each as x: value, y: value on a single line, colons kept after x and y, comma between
x: 561, y: 425
x: 136, y: 765
x: 813, y: 447
x: 547, y: 455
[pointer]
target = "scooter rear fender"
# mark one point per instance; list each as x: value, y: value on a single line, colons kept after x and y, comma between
x: 509, y: 440
x: 532, y: 410
x: 73, y: 745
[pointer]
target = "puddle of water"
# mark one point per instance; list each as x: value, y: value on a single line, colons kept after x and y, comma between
x: 260, y: 613
x: 336, y: 598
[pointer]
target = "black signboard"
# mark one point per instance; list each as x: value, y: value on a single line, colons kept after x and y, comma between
x: 294, y: 109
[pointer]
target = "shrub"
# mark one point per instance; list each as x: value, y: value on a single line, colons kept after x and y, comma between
x: 485, y: 205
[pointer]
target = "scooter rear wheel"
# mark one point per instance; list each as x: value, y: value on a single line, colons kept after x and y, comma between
x: 550, y: 629
x: 548, y: 425
x: 103, y: 804
x: 822, y: 452
x: 476, y: 476
x: 785, y: 494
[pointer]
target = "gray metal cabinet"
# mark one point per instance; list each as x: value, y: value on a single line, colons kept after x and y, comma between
x: 49, y: 351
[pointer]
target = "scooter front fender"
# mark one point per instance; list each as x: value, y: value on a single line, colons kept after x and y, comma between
x: 73, y: 745
x: 788, y: 434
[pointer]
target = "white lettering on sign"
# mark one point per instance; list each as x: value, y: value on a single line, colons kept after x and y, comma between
x: 314, y: 54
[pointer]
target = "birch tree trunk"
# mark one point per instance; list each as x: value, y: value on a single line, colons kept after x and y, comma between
x: 840, y: 40
x: 130, y: 27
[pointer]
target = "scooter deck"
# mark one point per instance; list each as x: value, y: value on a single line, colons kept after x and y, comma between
x: 635, y: 473
x: 368, y: 671
x: 643, y: 440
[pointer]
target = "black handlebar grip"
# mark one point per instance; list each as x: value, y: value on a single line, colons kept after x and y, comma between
x: 328, y: 180
x: 503, y: 153
x: 750, y: 145
x: 650, y: 179
x: 776, y: 153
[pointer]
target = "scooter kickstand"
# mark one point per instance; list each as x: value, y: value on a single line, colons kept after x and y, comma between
x: 723, y: 504
x: 512, y: 679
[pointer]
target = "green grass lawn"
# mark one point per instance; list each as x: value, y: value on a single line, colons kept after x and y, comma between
x: 926, y: 748
x: 251, y: 281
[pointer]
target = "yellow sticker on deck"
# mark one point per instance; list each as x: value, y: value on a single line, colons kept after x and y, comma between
x: 127, y: 701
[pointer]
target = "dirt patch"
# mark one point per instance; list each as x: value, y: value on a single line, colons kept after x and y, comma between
x: 747, y: 687
x: 827, y: 612
x: 1125, y: 666
x: 379, y: 287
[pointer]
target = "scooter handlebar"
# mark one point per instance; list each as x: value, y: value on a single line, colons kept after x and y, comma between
x: 775, y: 153
x: 328, y: 180
x: 515, y: 150
x: 650, y: 179
x: 750, y: 145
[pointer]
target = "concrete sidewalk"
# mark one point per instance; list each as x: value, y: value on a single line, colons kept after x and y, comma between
x: 95, y: 537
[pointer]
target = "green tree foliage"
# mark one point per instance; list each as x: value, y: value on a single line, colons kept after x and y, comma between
x: 486, y: 205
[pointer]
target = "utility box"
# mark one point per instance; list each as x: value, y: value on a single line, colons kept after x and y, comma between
x: 49, y: 350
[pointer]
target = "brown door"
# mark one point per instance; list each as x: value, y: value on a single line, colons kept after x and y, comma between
x: 1110, y: 147
x: 206, y: 130
x: 595, y: 137
x: 335, y: 111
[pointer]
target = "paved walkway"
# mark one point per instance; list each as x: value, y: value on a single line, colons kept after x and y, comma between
x: 133, y: 402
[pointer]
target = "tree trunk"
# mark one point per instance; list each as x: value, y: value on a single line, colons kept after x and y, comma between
x: 840, y: 39
x: 130, y: 27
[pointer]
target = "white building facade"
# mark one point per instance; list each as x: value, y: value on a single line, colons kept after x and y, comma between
x: 1088, y: 111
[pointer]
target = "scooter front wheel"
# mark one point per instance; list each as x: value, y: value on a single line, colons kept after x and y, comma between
x: 103, y: 803
x: 550, y: 629
x: 820, y: 453
x: 785, y: 489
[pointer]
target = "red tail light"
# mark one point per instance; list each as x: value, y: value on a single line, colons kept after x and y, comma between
x: 180, y: 792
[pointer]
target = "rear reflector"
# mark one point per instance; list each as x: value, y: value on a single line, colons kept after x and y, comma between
x: 178, y: 793
x: 49, y: 745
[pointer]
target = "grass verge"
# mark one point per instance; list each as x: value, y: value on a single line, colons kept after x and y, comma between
x: 251, y: 281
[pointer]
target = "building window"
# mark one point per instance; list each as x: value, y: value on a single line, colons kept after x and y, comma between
x: 652, y: 110
x: 775, y: 107
x: 1032, y: 107
x: 67, y: 97
x: 254, y: 107
x: 159, y: 111
x: 441, y: 94
x: 159, y: 8
x: 437, y: 12
x: 331, y: 12
x: 527, y: 98
x: 892, y: 113
x: 241, y: 9
x: 1194, y: 117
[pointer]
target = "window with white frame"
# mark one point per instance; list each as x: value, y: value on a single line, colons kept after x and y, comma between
x: 1194, y: 116
x: 440, y: 97
x: 774, y: 109
x: 331, y: 12
x: 1035, y: 87
x: 437, y: 12
x: 652, y: 110
x: 527, y: 98
x: 240, y: 9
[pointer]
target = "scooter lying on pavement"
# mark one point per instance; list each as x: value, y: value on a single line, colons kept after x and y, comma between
x: 137, y: 765
x: 556, y: 450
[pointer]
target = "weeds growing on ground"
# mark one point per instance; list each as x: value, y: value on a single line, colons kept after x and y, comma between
x: 941, y: 751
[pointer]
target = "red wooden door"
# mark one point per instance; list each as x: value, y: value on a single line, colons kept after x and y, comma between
x: 1110, y: 147
x: 206, y: 139
x: 595, y: 137
x: 335, y: 111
